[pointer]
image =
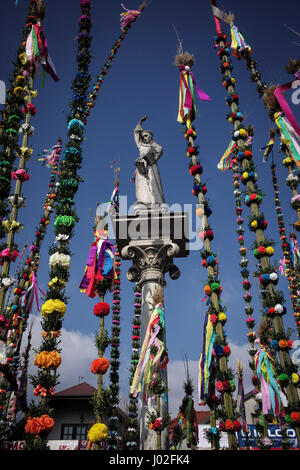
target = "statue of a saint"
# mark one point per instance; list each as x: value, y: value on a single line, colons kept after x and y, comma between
x: 148, y: 186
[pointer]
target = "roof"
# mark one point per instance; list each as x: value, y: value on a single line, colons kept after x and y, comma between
x: 81, y: 390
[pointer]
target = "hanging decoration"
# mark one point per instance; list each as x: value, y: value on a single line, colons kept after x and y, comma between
x: 268, y: 149
x: 213, y: 288
x: 270, y: 391
x: 153, y: 356
x: 100, y: 264
x: 263, y: 250
x: 187, y: 86
x: 239, y: 43
x: 36, y: 52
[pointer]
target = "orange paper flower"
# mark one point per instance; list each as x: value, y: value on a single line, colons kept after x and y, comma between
x: 47, y: 360
x: 47, y: 422
x: 33, y: 426
x: 36, y: 425
x: 100, y: 365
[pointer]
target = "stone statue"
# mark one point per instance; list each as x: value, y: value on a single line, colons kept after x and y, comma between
x: 148, y: 186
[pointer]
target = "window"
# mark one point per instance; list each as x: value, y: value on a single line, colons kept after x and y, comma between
x: 74, y: 431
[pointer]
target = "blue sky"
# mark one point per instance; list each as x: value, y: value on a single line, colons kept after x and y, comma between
x: 143, y: 80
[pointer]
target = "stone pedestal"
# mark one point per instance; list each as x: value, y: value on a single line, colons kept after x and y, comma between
x: 151, y: 240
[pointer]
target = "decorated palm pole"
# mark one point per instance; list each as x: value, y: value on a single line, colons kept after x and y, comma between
x: 149, y: 372
x: 25, y: 292
x: 133, y: 428
x: 275, y: 102
x: 214, y: 337
x: 263, y: 250
x: 287, y: 267
x: 35, y: 53
x: 97, y: 280
x: 11, y: 125
x: 48, y: 357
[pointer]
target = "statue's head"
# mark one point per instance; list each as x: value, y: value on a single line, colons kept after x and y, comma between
x: 146, y: 136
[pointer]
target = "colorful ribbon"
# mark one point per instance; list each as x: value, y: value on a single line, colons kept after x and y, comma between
x: 268, y: 149
x: 271, y: 402
x: 100, y: 265
x: 187, y: 106
x: 205, y: 358
x: 238, y: 41
x: 128, y: 16
x: 50, y: 157
x: 148, y: 365
x: 31, y: 294
x: 278, y: 93
x: 288, y: 136
x: 37, y: 50
x: 225, y: 161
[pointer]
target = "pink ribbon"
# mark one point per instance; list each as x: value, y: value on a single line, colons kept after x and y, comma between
x: 188, y: 97
x: 33, y: 293
x: 278, y: 93
x: 281, y: 267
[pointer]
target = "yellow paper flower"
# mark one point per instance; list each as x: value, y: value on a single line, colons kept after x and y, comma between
x: 98, y: 432
x: 51, y: 306
x: 245, y: 175
x: 254, y: 224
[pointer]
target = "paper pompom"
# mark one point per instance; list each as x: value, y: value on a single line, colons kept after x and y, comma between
x: 98, y: 432
x: 100, y: 366
x: 101, y: 309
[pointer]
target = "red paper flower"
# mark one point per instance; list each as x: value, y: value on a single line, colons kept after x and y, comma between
x: 101, y: 309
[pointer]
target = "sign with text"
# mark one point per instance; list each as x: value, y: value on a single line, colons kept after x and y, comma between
x: 274, y: 433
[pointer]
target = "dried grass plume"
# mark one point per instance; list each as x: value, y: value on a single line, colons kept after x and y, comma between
x: 292, y: 66
x: 270, y: 100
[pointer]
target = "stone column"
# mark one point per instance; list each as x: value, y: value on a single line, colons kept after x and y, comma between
x: 152, y: 256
